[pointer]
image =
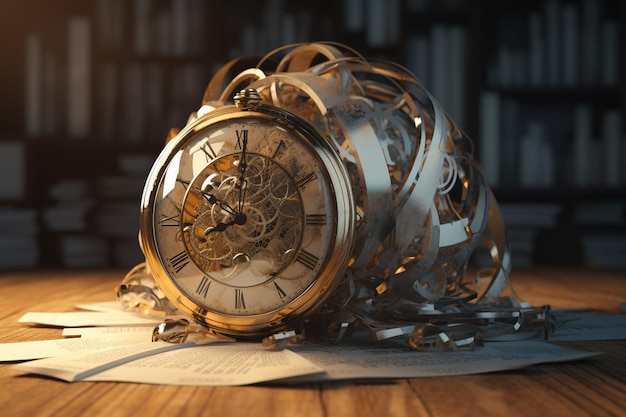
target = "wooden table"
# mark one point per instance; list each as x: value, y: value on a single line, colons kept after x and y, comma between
x: 592, y: 387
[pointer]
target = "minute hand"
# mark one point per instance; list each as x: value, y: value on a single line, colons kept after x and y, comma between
x: 242, y: 142
x: 223, y: 205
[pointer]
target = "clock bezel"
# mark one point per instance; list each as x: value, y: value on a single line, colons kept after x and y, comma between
x: 336, y: 263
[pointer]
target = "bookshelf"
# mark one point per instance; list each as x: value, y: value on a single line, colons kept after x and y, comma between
x: 551, y: 117
x: 92, y: 88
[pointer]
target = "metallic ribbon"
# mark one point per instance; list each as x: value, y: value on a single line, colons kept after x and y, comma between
x: 423, y: 207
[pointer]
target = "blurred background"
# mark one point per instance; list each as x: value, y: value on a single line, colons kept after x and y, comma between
x: 90, y: 89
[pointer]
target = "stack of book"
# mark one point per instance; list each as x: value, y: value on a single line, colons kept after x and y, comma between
x: 562, y: 44
x: 117, y: 217
x: 523, y: 222
x: 83, y: 251
x: 70, y: 208
x: 603, y: 236
x: 67, y: 221
x: 18, y: 239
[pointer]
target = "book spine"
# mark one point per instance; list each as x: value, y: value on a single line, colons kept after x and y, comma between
x: 590, y: 24
x: 417, y: 53
x: 553, y: 42
x: 511, y: 126
x: 610, y: 54
x: 79, y: 77
x: 33, y: 86
x: 439, y: 63
x: 376, y: 18
x: 583, y: 135
x: 354, y: 15
x: 536, y: 46
x: 457, y: 69
x: 571, y: 61
x: 490, y: 141
x: 611, y: 135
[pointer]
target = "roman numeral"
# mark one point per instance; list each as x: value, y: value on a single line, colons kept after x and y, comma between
x: 170, y: 221
x: 242, y: 138
x: 203, y: 287
x: 307, y: 259
x: 179, y: 261
x: 302, y: 182
x: 240, y: 303
x: 315, y: 219
x: 209, y: 152
x: 281, y: 146
x: 281, y: 293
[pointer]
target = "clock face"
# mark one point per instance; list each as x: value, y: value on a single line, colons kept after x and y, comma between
x: 247, y: 221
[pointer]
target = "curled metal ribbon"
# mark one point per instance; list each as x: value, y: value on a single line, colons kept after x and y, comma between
x: 172, y: 331
x: 423, y: 206
x: 139, y: 292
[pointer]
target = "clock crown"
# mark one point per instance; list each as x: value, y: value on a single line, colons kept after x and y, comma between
x: 247, y: 99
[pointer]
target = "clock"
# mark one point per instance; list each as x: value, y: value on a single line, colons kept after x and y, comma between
x: 247, y: 219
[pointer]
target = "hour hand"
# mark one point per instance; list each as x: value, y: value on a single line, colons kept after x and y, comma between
x: 220, y: 227
x: 239, y: 219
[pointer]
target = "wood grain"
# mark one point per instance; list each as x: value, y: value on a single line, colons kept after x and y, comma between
x: 593, y: 387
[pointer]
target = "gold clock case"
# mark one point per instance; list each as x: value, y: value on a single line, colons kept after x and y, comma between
x: 329, y: 276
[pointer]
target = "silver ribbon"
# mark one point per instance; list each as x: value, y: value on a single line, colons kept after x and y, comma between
x: 423, y: 207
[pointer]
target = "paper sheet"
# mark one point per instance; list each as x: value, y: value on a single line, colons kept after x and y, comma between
x: 245, y: 363
x: 78, y: 366
x: 581, y: 326
x: 164, y: 363
x: 376, y: 362
x: 118, y: 349
x: 104, y: 306
x: 129, y: 333
x: 22, y: 351
x: 90, y: 318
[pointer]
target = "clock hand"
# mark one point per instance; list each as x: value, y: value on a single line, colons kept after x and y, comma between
x: 243, y: 162
x: 220, y: 227
x: 239, y: 219
x: 243, y: 186
x: 223, y: 205
x: 242, y: 142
